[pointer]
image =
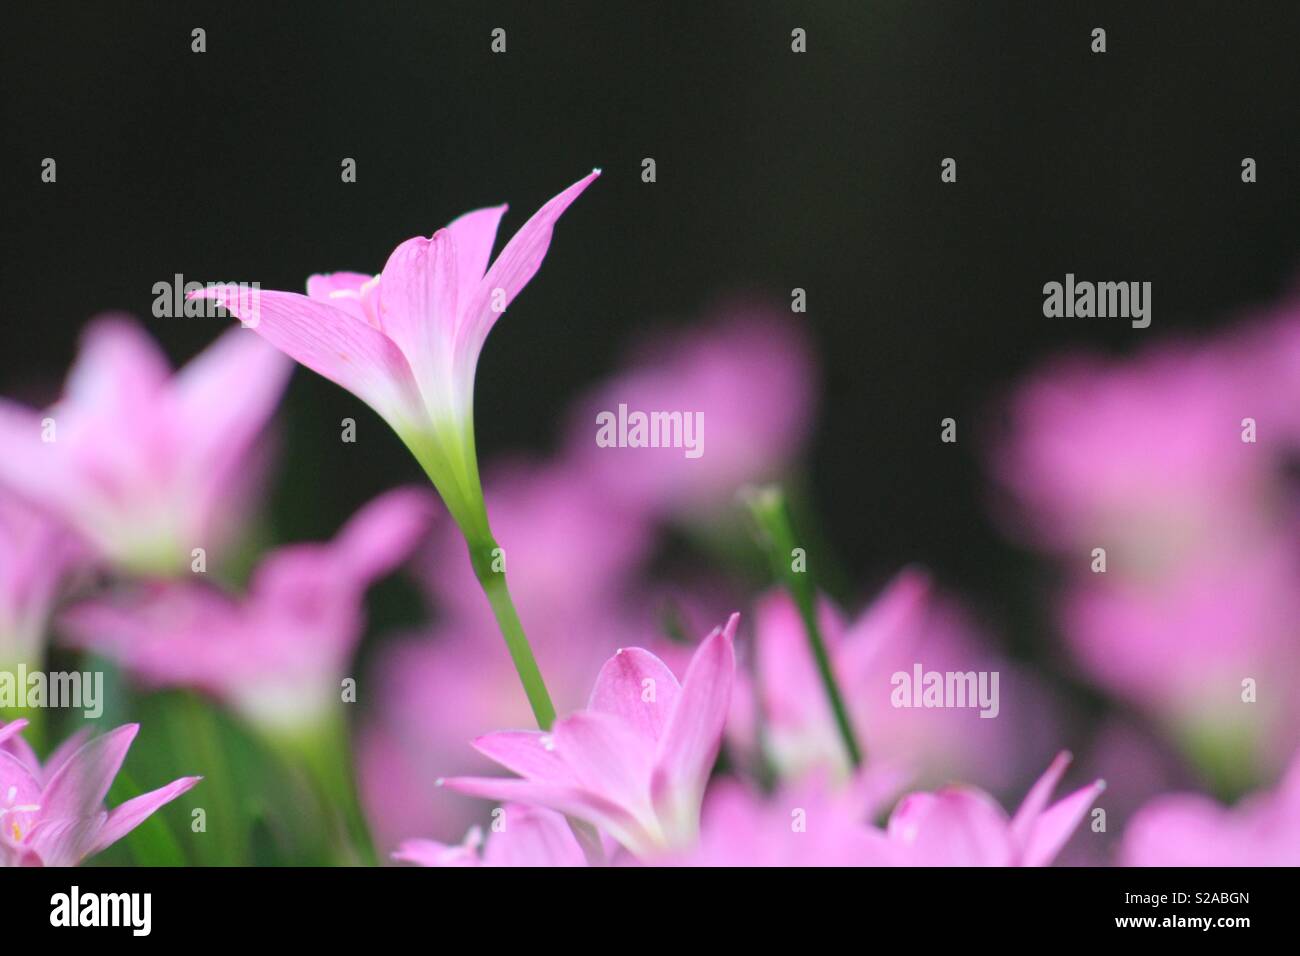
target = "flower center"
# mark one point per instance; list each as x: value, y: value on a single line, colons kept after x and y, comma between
x: 12, y: 808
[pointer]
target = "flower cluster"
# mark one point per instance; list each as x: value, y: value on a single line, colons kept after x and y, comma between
x: 577, y: 717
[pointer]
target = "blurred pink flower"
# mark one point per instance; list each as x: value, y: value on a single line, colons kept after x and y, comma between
x: 407, y: 341
x: 809, y: 823
x: 905, y: 626
x: 636, y: 761
x: 36, y: 553
x: 529, y: 836
x: 963, y: 826
x: 1180, y: 649
x: 141, y: 462
x: 278, y: 654
x: 1188, y: 829
x: 1149, y: 458
x: 53, y: 815
x: 749, y: 372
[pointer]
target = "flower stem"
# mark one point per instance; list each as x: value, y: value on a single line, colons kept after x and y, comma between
x: 768, y: 506
x: 485, y: 560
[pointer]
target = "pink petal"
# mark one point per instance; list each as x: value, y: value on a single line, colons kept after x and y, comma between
x: 624, y: 683
x: 62, y: 754
x: 11, y: 728
x: 1022, y: 824
x: 433, y: 853
x: 65, y: 841
x: 77, y: 789
x: 513, y: 268
x: 529, y: 753
x: 689, y: 744
x: 119, y: 368
x: 384, y: 532
x: 607, y: 757
x: 566, y: 799
x: 474, y: 234
x: 1054, y: 827
x: 39, y: 471
x: 226, y: 394
x: 341, y: 290
x: 129, y: 815
x: 533, y: 837
x: 954, y: 827
x: 332, y: 343
x: 418, y: 302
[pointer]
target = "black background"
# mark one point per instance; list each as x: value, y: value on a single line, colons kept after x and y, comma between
x: 775, y: 170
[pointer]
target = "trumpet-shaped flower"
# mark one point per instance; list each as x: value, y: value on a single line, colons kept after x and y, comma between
x: 53, y: 815
x: 144, y: 464
x: 529, y: 836
x: 635, y: 762
x: 407, y: 341
x: 278, y: 654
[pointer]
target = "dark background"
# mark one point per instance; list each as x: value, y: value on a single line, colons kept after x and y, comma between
x: 775, y: 170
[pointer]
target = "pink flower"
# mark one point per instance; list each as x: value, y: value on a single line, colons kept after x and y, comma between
x: 749, y: 376
x: 963, y: 826
x: 139, y: 461
x: 809, y: 823
x: 35, y: 555
x: 1188, y: 829
x: 1175, y: 462
x: 1180, y: 648
x: 528, y: 836
x: 53, y: 815
x: 905, y: 626
x: 279, y: 653
x: 636, y: 761
x: 407, y: 341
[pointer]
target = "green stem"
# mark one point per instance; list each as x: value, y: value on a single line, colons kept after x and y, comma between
x: 769, y: 509
x: 485, y: 558
x: 326, y: 754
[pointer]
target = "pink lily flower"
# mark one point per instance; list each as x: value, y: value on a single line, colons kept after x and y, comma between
x: 750, y: 377
x: 1189, y: 829
x: 633, y: 763
x: 139, y: 461
x: 963, y: 826
x: 531, y: 837
x: 407, y: 341
x: 906, y: 625
x: 53, y: 815
x: 36, y: 553
x: 278, y: 654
